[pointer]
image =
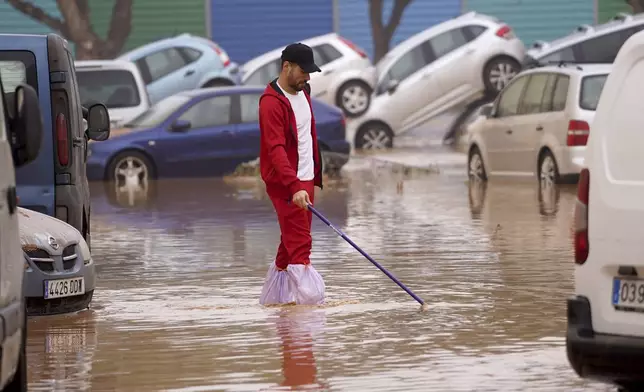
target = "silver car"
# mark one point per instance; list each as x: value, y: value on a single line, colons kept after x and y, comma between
x: 346, y: 79
x: 538, y: 125
x: 449, y: 64
x: 59, y: 275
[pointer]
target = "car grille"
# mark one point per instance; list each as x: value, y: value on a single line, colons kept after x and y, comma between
x: 46, y: 262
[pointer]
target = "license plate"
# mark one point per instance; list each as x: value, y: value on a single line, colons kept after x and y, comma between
x: 628, y: 294
x: 64, y: 287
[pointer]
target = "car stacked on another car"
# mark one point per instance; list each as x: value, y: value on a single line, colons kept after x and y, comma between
x: 182, y: 63
x: 538, y: 124
x: 446, y: 65
x: 117, y: 84
x: 346, y: 78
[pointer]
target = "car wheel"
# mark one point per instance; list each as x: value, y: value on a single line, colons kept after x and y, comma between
x: 498, y: 73
x: 475, y: 166
x: 374, y: 136
x: 130, y: 174
x: 548, y: 170
x: 354, y: 98
x: 19, y: 381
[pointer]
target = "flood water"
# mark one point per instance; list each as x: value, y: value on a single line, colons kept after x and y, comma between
x: 176, y: 307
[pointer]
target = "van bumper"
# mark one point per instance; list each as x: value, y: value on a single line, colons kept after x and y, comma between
x: 608, y: 358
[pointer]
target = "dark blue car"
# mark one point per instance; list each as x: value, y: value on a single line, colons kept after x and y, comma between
x: 200, y: 133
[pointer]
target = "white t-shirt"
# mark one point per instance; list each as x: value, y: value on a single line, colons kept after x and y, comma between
x: 302, y: 110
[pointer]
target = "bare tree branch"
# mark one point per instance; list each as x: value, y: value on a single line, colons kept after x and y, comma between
x: 636, y: 5
x: 120, y: 25
x: 382, y: 34
x: 396, y: 16
x: 40, y: 15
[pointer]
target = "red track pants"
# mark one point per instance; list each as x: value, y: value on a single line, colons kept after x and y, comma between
x: 295, y: 226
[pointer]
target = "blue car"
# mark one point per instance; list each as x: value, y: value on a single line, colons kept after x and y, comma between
x: 200, y: 133
x: 181, y: 63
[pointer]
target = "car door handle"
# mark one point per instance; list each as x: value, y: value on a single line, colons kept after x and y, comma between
x: 509, y: 132
x: 189, y: 72
x: 539, y: 128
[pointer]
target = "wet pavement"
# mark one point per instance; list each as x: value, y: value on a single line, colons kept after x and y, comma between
x: 180, y: 273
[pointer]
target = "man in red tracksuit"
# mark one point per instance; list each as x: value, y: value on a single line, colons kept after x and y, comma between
x: 291, y: 165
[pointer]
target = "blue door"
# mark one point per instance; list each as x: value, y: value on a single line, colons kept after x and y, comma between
x: 247, y: 135
x: 24, y: 59
x: 202, y: 146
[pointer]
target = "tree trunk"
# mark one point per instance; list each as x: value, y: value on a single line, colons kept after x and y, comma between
x: 76, y: 26
x: 380, y: 33
x: 636, y: 5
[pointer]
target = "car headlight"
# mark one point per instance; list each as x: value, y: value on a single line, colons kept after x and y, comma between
x: 84, y: 251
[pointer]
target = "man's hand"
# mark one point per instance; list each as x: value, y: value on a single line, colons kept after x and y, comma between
x: 301, y: 199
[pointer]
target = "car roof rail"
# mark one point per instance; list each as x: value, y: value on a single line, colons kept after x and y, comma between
x: 584, y: 28
x: 560, y: 64
x: 622, y: 16
x: 538, y: 44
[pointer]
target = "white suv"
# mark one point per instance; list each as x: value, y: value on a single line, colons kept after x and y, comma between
x: 605, y: 334
x: 346, y: 79
x: 538, y: 125
x: 451, y: 63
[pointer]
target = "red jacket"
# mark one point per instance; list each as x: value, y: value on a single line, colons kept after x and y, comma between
x: 278, y: 156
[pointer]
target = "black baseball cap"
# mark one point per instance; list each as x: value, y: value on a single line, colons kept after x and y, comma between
x: 301, y: 55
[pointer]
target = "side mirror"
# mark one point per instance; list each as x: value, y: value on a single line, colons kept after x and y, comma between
x: 26, y: 125
x: 98, y: 123
x: 392, y: 85
x: 180, y: 125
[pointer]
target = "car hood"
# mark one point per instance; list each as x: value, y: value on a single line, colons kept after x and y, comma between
x: 48, y: 233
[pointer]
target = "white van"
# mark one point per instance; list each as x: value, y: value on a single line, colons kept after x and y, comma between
x: 117, y: 84
x: 20, y: 139
x: 605, y: 334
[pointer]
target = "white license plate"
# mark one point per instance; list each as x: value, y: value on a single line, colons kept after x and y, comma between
x: 64, y: 287
x: 628, y: 294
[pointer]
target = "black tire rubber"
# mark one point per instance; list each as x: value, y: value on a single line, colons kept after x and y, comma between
x: 346, y: 85
x: 359, y: 144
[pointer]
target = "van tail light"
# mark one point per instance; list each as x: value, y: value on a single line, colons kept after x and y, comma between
x: 62, y: 140
x: 353, y: 46
x: 581, y: 218
x: 505, y: 31
x: 578, y: 132
x: 223, y: 56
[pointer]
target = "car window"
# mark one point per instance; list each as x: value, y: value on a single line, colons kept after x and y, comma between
x: 566, y: 54
x: 561, y: 93
x: 164, y: 62
x: 264, y: 74
x: 546, y: 103
x: 473, y: 31
x: 114, y: 88
x: 249, y: 107
x: 210, y: 112
x: 447, y: 42
x: 327, y: 53
x: 159, y: 112
x: 531, y: 101
x: 509, y: 100
x: 190, y: 54
x: 602, y: 49
x: 408, y: 64
x: 591, y: 89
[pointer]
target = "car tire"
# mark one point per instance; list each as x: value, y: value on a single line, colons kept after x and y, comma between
x: 19, y: 381
x: 137, y: 177
x: 354, y: 98
x: 548, y: 170
x: 498, y: 72
x: 374, y: 136
x: 476, y: 166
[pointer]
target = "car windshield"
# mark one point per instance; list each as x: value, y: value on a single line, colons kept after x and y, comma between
x: 591, y: 89
x: 158, y: 113
x: 113, y: 88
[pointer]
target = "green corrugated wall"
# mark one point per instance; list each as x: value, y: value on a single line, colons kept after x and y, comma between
x: 606, y: 9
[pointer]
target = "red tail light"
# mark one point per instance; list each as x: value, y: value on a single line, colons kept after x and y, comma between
x: 62, y: 140
x: 578, y: 132
x: 222, y: 55
x: 343, y: 121
x: 353, y: 46
x: 581, y: 218
x: 505, y: 31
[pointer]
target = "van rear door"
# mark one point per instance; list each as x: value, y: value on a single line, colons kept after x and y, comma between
x: 23, y: 58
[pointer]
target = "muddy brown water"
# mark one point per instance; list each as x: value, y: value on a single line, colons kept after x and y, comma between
x: 180, y: 272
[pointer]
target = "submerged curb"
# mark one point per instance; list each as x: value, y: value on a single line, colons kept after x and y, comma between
x: 418, y: 162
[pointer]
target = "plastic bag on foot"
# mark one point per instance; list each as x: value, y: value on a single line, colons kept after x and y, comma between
x: 276, y: 288
x: 307, y: 285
